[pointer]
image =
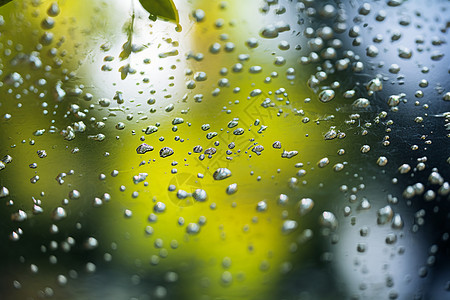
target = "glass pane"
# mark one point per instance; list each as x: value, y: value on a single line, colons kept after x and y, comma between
x: 277, y: 149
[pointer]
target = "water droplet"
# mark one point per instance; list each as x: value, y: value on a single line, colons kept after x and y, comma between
x: 199, y: 195
x: 239, y: 131
x: 371, y: 51
x: 397, y: 222
x: 382, y: 161
x: 91, y: 243
x: 232, y: 188
x: 59, y: 213
x: 97, y: 137
x: 272, y: 30
x: 385, y: 215
x: 53, y: 10
x: 435, y: 178
x: 150, y: 129
x: 19, y: 216
x: 404, y: 52
x: 199, y: 15
x: 258, y: 149
x: 326, y: 95
x: 159, y: 207
x: 143, y: 148
x: 42, y: 153
x: 221, y: 174
x: 226, y: 278
x: 361, y: 103
x: 444, y: 190
x: 405, y: 168
x: 261, y: 206
x: 394, y: 100
x: 255, y: 69
x: 364, y: 9
x: 282, y: 199
x: 323, y: 162
x: 276, y: 145
x: 139, y: 178
x: 192, y: 228
x: 305, y: 206
x: 233, y: 123
x: 446, y: 96
x: 128, y: 213
x: 364, y: 205
x: 391, y: 238
x: 165, y: 152
x: 289, y: 226
x: 289, y: 154
x: 62, y: 280
x: 331, y: 134
x: 338, y: 167
x: 361, y: 247
x: 394, y: 68
x: 4, y: 192
x: 74, y: 194
x: 328, y: 220
x: 365, y: 149
x: 104, y: 102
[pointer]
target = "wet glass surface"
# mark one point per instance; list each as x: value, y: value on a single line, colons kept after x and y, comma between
x: 273, y: 149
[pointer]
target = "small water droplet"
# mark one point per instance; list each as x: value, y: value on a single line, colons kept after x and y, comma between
x: 165, y: 152
x: 305, y: 206
x: 221, y: 174
x: 326, y: 95
x: 232, y: 188
x: 385, y: 215
x: 328, y: 220
x: 200, y: 195
x: 193, y: 228
x: 261, y: 206
x: 159, y: 207
x: 59, y: 213
x: 289, y: 226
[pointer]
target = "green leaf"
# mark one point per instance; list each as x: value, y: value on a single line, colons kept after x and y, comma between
x: 127, y: 46
x: 3, y: 2
x: 161, y: 8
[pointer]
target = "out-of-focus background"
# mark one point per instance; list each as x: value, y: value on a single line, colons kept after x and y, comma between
x: 243, y: 150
